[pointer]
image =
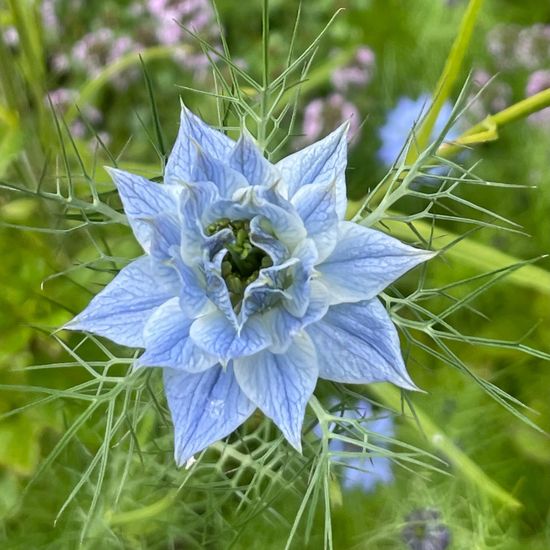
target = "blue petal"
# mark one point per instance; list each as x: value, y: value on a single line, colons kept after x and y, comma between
x: 281, y: 384
x: 167, y: 342
x: 365, y: 261
x: 193, y: 131
x: 119, y: 312
x: 359, y: 345
x: 249, y: 161
x: 316, y: 205
x: 226, y: 179
x: 277, y: 251
x: 280, y: 217
x: 319, y: 299
x: 283, y: 327
x: 165, y: 236
x: 205, y: 407
x: 143, y: 201
x: 216, y: 288
x: 299, y: 290
x: 196, y: 202
x: 192, y: 294
x: 215, y: 334
x: 318, y: 163
x: 268, y: 289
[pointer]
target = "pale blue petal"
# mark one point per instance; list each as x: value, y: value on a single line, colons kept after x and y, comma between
x: 119, y: 312
x: 365, y: 261
x: 299, y: 291
x: 359, y: 345
x: 205, y: 408
x: 226, y: 179
x: 277, y: 251
x: 280, y: 219
x: 165, y: 236
x: 282, y: 328
x: 268, y: 289
x: 215, y: 334
x: 316, y: 205
x: 143, y: 201
x: 192, y: 132
x: 319, y: 300
x: 196, y: 202
x: 167, y: 341
x: 192, y: 293
x: 319, y: 163
x: 249, y: 161
x: 281, y: 384
x: 216, y: 288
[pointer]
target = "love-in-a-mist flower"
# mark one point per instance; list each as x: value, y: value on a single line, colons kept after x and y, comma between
x: 402, y: 119
x: 252, y: 285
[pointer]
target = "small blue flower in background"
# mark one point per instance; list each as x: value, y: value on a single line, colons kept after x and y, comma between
x: 402, y: 119
x: 425, y: 530
x: 251, y: 286
x: 367, y: 472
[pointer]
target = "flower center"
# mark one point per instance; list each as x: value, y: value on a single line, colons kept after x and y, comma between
x: 243, y: 261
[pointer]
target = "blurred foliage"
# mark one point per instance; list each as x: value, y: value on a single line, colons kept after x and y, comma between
x: 410, y: 47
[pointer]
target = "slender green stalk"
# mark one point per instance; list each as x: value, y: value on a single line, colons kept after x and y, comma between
x: 448, y: 78
x: 490, y: 125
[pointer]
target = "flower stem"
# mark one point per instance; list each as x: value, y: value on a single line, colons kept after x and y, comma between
x: 448, y: 78
x: 490, y: 125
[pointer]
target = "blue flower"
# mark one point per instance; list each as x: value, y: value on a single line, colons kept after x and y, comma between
x: 252, y: 285
x: 402, y: 119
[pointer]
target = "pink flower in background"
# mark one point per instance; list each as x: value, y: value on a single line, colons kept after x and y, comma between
x: 322, y: 114
x: 358, y: 73
x: 539, y: 81
x: 10, y: 36
x: 95, y: 50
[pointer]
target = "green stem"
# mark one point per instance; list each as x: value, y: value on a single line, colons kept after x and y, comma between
x: 491, y: 124
x: 448, y: 78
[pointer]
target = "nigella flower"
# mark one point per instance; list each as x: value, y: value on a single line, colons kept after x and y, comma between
x: 402, y: 119
x: 251, y: 285
x: 424, y: 530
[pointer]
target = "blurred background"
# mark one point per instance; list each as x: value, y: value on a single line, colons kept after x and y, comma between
x: 377, y: 66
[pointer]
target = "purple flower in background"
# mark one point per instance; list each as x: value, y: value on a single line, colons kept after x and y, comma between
x: 424, y: 530
x: 49, y: 16
x: 98, y: 49
x: 495, y: 96
x: 515, y: 47
x: 539, y: 81
x: 10, y: 36
x: 171, y: 16
x: 402, y: 119
x: 367, y: 472
x: 252, y: 285
x: 356, y: 74
x: 321, y: 114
